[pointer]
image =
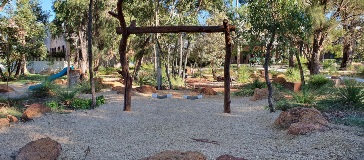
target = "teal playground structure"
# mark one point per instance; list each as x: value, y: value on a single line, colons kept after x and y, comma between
x: 51, y: 78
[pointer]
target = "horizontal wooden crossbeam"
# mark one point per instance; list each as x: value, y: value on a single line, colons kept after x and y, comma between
x: 173, y: 29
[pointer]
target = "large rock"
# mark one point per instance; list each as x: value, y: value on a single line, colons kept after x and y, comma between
x: 177, y: 155
x: 5, y: 88
x: 12, y: 118
x: 41, y: 149
x: 260, y: 94
x: 279, y: 80
x: 301, y: 120
x: 35, y: 110
x: 4, y: 122
x: 146, y: 89
x: 208, y: 91
x: 229, y: 157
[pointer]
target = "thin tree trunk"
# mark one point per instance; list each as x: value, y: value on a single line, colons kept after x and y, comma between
x: 123, y: 57
x: 180, y: 55
x: 300, y: 65
x: 185, y: 65
x: 17, y: 67
x: 238, y: 56
x: 290, y: 59
x: 23, y: 65
x: 167, y: 68
x: 89, y: 35
x: 266, y: 70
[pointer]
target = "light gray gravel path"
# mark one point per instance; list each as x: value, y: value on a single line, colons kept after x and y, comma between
x: 156, y: 125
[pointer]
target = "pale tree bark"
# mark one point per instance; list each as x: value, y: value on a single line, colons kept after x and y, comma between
x: 83, y: 59
x: 180, y: 55
x: 318, y: 40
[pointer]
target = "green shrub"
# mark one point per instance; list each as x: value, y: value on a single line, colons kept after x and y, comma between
x: 85, y: 87
x: 317, y: 81
x: 293, y: 75
x: 330, y: 65
x: 55, y: 106
x: 83, y: 104
x: 244, y: 73
x: 45, y: 90
x: 248, y: 89
x: 66, y: 94
x: 352, y: 95
x: 107, y: 70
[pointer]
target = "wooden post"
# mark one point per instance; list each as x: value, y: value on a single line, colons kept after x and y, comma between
x: 227, y: 67
x: 123, y: 59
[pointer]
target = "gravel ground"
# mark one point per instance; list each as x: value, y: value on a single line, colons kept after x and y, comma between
x: 156, y: 125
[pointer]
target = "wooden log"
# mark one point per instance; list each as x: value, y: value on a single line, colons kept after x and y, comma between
x: 173, y: 29
x: 228, y: 48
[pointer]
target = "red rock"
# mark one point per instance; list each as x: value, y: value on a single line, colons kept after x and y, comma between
x: 35, y: 110
x: 41, y: 149
x: 177, y: 155
x: 5, y: 88
x: 301, y: 120
x: 208, y: 91
x: 229, y: 157
x: 146, y: 89
x: 260, y: 94
x: 12, y: 118
x: 4, y: 122
x: 280, y: 80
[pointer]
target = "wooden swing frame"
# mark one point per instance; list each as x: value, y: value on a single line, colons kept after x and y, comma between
x: 132, y: 29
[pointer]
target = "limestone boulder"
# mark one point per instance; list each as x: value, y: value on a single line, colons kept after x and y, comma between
x: 260, y: 94
x: 41, y: 149
x: 4, y: 88
x: 229, y: 157
x: 301, y: 120
x: 4, y: 122
x: 208, y: 91
x: 177, y: 155
x: 35, y: 110
x: 146, y: 89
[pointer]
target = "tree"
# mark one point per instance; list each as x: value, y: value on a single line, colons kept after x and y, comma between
x: 273, y: 22
x: 350, y: 13
x: 89, y: 47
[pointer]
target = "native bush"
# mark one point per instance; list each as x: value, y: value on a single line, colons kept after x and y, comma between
x: 352, y: 95
x: 248, y: 89
x: 293, y: 75
x: 244, y: 73
x: 318, y: 80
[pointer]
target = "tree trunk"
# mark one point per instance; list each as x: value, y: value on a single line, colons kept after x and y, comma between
x: 300, y: 65
x: 228, y: 47
x: 347, y: 52
x: 180, y: 55
x: 238, y: 56
x: 23, y: 66
x: 83, y: 47
x: 167, y: 68
x: 316, y: 50
x: 89, y: 37
x: 290, y: 59
x: 185, y: 65
x: 17, y: 67
x: 266, y: 74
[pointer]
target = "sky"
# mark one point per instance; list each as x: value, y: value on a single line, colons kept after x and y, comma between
x: 47, y: 6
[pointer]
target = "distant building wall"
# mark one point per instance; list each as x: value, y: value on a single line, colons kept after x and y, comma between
x: 39, y: 66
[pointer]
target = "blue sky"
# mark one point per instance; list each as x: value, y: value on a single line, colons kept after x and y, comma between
x: 47, y: 5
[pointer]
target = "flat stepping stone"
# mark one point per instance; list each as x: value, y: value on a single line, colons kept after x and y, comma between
x: 192, y: 97
x: 155, y: 95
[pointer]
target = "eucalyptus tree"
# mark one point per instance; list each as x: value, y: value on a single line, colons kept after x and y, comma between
x: 351, y: 12
x: 272, y: 22
x: 71, y: 23
x: 25, y: 23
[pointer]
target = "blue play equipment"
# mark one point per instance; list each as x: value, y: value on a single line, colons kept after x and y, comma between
x: 51, y: 78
